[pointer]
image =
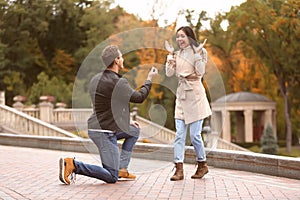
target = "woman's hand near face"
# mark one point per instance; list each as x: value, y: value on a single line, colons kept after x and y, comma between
x: 171, y: 60
x: 200, y: 47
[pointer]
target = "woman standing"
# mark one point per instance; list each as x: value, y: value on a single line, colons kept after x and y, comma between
x: 192, y: 106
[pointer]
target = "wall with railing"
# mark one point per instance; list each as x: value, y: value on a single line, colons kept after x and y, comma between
x: 18, y: 122
x: 76, y: 120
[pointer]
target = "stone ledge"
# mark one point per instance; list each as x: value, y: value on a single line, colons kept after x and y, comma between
x: 245, y: 161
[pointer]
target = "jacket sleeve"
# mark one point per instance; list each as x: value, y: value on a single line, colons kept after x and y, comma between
x: 170, y: 68
x: 124, y: 91
x: 140, y: 95
x: 200, y: 62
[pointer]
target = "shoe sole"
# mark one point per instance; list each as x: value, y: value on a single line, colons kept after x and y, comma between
x: 62, y: 170
x: 200, y: 177
x: 126, y: 179
x: 180, y: 178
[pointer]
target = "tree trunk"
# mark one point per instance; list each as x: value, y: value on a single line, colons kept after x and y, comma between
x: 288, y: 124
x: 284, y: 92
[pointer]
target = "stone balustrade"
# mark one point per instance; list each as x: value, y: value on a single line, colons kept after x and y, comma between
x: 75, y: 120
x: 20, y: 123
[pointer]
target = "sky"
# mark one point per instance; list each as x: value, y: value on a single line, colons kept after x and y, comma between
x: 167, y: 10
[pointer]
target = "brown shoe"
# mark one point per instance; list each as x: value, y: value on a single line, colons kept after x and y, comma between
x: 123, y: 173
x: 66, y: 168
x: 178, y: 175
x: 201, y: 170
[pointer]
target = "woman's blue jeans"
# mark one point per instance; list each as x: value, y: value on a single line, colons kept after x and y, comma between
x: 110, y: 156
x: 195, y: 135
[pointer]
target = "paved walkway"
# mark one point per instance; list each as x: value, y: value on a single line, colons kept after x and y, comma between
x: 27, y: 173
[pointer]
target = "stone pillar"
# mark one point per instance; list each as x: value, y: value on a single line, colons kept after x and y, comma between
x: 213, y: 140
x: 274, y: 122
x: 18, y: 102
x: 226, y: 126
x: 216, y: 121
x: 248, y: 125
x: 61, y: 105
x: 46, y: 109
x: 2, y: 97
x: 268, y: 118
x: 18, y: 106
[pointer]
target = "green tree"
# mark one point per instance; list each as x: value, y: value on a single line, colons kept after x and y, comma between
x: 98, y: 22
x: 64, y: 37
x: 219, y: 43
x: 271, y: 29
x: 21, y: 24
x: 39, y: 36
x: 44, y: 36
x: 189, y: 15
x: 268, y: 141
x: 63, y: 65
x: 46, y: 86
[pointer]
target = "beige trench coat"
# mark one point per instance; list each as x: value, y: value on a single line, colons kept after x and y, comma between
x: 191, y: 101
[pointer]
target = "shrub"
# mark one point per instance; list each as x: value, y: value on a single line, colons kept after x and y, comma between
x: 269, y: 141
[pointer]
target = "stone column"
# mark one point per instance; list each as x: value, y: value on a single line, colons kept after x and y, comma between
x: 2, y: 97
x: 46, y: 109
x: 226, y: 126
x: 18, y: 106
x: 216, y: 121
x: 274, y: 122
x: 213, y: 140
x: 268, y: 118
x: 248, y: 125
x: 18, y: 102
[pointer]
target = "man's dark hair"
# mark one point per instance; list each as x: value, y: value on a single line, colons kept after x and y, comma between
x: 109, y: 54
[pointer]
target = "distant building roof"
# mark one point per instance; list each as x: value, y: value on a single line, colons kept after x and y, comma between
x: 243, y: 97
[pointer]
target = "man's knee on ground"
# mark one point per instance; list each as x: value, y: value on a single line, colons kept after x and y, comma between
x: 113, y: 180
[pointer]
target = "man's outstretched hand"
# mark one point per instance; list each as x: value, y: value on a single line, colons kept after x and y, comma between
x: 153, y: 72
x: 135, y: 124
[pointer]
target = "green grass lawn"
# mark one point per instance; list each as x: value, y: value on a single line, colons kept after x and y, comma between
x: 281, y: 151
x: 295, y: 152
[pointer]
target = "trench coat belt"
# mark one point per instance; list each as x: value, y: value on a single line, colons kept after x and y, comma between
x: 184, y: 85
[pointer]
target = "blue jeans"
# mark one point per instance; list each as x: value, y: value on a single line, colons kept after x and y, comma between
x: 195, y: 135
x: 110, y: 156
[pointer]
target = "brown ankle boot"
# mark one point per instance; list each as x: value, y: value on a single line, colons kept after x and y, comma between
x: 178, y: 173
x: 201, y: 170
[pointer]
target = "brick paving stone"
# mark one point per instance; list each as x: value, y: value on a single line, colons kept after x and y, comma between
x: 28, y: 173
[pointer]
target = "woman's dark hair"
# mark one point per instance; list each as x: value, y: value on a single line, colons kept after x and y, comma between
x: 190, y: 34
